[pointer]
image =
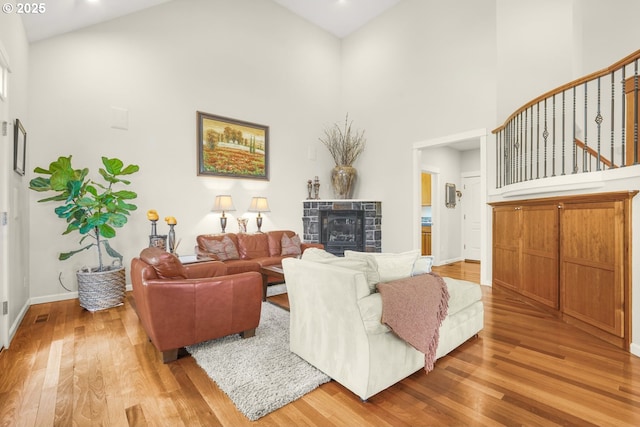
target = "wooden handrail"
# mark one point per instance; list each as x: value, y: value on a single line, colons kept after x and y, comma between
x: 605, y: 71
x: 594, y: 153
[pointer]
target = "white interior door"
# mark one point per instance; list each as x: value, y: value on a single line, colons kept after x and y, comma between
x: 471, y: 209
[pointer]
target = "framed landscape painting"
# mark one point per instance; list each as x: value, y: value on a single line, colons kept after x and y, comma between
x: 232, y: 148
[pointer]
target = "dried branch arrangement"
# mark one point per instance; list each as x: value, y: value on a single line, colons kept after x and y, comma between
x: 344, y: 144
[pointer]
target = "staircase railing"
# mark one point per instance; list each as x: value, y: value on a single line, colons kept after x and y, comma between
x: 590, y: 124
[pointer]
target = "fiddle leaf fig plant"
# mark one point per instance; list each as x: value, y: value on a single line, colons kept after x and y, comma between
x: 91, y: 208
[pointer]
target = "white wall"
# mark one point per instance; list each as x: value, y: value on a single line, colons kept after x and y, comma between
x: 422, y: 70
x: 13, y: 193
x: 535, y: 47
x: 248, y: 60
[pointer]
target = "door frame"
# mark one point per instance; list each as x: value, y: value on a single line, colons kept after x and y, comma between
x: 479, y: 135
x: 7, y: 155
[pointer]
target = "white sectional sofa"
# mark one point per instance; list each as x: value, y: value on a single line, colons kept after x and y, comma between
x: 335, y: 324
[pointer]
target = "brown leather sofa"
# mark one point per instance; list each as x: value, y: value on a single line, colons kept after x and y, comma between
x: 252, y: 251
x: 180, y: 305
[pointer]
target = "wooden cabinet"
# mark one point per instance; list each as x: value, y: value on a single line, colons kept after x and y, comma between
x: 426, y: 240
x: 569, y: 254
x: 426, y: 189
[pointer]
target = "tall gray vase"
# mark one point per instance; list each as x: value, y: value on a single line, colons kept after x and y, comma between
x: 343, y: 180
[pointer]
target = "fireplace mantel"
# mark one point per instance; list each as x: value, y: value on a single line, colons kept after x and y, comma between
x: 311, y: 218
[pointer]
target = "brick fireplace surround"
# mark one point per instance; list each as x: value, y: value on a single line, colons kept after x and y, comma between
x: 313, y: 209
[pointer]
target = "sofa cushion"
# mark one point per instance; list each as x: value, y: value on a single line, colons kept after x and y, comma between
x: 275, y: 241
x: 237, y: 266
x: 223, y: 249
x: 391, y: 266
x: 462, y: 294
x: 365, y: 265
x: 253, y: 245
x: 166, y: 265
x: 290, y: 245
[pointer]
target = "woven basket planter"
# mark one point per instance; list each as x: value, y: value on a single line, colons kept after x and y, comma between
x: 99, y: 290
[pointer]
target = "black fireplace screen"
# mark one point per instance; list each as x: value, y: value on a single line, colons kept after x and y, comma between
x: 342, y: 230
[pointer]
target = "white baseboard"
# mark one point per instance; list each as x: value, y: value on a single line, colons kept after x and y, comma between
x: 60, y: 297
x: 635, y: 349
x: 448, y: 261
x: 14, y: 327
x: 53, y: 298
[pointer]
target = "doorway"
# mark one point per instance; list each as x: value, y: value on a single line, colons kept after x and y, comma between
x: 447, y: 227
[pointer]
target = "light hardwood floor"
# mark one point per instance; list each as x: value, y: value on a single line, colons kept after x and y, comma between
x: 69, y: 367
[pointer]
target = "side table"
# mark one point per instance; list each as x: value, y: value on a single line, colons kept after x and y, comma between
x: 274, y: 271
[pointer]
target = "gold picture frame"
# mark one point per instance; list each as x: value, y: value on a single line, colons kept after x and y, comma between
x: 232, y: 148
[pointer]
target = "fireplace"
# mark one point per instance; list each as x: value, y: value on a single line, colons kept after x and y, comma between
x: 343, y: 225
x: 342, y: 230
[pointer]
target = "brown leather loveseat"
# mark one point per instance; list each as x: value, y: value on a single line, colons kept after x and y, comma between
x: 180, y: 305
x: 243, y: 252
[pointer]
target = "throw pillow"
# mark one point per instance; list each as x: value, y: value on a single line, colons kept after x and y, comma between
x: 166, y: 265
x: 315, y: 254
x: 391, y: 266
x: 290, y: 245
x: 223, y: 249
x: 422, y: 265
x: 365, y: 265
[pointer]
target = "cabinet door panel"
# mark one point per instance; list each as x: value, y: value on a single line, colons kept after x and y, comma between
x: 592, y: 264
x: 540, y: 254
x: 589, y: 296
x: 506, y: 246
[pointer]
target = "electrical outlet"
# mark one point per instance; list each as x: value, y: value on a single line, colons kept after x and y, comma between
x: 5, y: 307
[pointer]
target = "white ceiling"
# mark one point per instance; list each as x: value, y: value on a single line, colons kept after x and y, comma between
x: 340, y: 17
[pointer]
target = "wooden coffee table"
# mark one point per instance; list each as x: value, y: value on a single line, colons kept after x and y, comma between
x: 271, y: 271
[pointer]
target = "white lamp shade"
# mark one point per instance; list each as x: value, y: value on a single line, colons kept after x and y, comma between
x: 223, y: 204
x: 259, y: 204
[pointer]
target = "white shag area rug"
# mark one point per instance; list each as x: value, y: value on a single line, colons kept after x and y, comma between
x: 259, y: 374
x: 278, y: 289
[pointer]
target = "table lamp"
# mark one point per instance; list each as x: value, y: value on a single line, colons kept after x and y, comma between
x: 223, y: 204
x: 259, y: 204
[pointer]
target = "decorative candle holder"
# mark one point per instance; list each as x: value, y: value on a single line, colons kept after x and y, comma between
x: 316, y: 188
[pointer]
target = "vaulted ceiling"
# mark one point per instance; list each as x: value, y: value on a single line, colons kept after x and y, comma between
x: 339, y: 17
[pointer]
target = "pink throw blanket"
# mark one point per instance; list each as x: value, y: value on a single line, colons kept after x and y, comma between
x: 414, y: 309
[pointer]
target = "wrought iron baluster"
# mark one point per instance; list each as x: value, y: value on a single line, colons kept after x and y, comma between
x: 538, y: 141
x: 526, y: 115
x: 573, y: 140
x: 635, y: 112
x: 531, y: 157
x: 623, y: 117
x: 598, y: 121
x: 545, y: 135
x: 519, y: 147
x: 564, y: 139
x: 508, y: 155
x: 553, y: 138
x: 499, y: 148
x: 613, y: 113
x: 586, y: 145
